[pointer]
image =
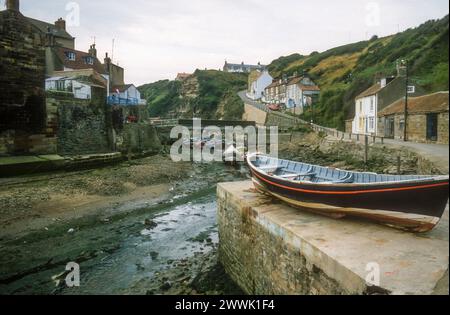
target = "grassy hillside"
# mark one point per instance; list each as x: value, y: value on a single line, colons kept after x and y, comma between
x: 343, y: 72
x: 210, y: 93
x: 162, y: 96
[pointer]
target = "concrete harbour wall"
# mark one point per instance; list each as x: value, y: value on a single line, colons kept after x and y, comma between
x: 268, y: 247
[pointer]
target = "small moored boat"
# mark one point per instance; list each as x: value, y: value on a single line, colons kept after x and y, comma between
x: 415, y: 202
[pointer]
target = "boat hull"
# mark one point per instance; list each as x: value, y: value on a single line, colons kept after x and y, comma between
x: 413, y: 206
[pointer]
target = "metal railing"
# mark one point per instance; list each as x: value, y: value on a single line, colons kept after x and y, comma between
x: 344, y: 135
x: 114, y: 100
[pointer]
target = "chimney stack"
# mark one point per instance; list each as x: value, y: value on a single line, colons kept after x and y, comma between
x: 61, y: 24
x: 13, y: 5
x: 93, y: 51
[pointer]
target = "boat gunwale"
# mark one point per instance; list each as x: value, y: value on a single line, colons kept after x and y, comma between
x: 427, y: 178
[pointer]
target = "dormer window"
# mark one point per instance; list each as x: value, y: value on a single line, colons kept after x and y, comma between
x: 70, y: 55
x: 89, y: 60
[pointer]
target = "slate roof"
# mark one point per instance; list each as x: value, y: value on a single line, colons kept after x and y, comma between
x: 44, y: 27
x: 374, y: 89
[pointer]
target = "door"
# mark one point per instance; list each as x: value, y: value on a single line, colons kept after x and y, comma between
x: 432, y: 120
x: 389, y: 127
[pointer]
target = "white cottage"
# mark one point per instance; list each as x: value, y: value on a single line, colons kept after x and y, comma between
x: 126, y: 94
x: 80, y: 87
x: 366, y: 109
x: 300, y: 92
x: 258, y: 82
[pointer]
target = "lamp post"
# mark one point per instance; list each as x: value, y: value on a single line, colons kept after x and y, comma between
x: 405, y: 124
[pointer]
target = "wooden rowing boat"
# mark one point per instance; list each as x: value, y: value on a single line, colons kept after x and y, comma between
x: 415, y: 203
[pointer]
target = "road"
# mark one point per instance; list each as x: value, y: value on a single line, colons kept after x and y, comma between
x: 436, y: 153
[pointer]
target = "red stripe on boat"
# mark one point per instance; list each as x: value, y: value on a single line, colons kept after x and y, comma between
x: 353, y: 192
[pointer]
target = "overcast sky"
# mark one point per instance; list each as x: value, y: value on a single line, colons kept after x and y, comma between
x: 155, y: 39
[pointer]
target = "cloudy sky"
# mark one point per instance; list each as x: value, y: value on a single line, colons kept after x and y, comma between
x: 155, y: 39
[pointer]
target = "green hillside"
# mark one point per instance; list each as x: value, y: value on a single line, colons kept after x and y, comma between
x: 210, y: 94
x: 343, y: 72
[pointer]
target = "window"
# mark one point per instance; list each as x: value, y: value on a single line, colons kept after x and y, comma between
x: 371, y: 123
x: 60, y: 86
x: 71, y: 55
x: 360, y: 106
x: 89, y: 60
x: 371, y: 104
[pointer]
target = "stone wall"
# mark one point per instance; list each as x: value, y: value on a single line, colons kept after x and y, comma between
x: 443, y: 131
x: 138, y: 137
x: 417, y: 128
x: 251, y: 113
x: 260, y: 262
x: 263, y: 118
x: 22, y: 77
x: 81, y: 125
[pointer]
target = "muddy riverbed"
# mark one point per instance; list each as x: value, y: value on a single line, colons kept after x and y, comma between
x: 130, y: 234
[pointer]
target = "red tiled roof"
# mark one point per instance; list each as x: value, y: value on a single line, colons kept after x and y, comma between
x: 431, y: 103
x: 80, y: 60
x: 309, y: 87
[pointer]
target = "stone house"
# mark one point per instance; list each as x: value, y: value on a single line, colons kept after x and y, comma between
x: 242, y: 67
x: 367, y: 104
x: 427, y: 119
x: 57, y: 31
x: 257, y: 83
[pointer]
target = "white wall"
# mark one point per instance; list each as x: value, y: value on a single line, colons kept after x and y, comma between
x: 365, y: 121
x: 257, y: 88
x: 81, y: 90
x: 132, y: 92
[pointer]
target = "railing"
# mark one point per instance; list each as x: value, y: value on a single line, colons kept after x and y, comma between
x: 164, y: 122
x: 114, y: 100
x: 343, y: 135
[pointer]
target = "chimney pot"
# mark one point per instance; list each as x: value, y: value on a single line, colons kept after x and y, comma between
x: 13, y: 5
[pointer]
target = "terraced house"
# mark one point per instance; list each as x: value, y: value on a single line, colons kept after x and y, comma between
x: 384, y: 92
x: 294, y: 92
x: 242, y: 67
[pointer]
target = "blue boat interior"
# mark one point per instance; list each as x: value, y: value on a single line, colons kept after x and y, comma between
x: 298, y: 171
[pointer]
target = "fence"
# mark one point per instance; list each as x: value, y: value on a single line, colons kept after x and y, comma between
x: 343, y: 135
